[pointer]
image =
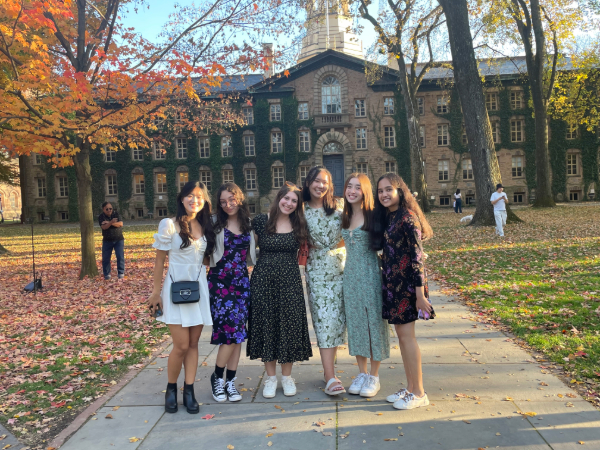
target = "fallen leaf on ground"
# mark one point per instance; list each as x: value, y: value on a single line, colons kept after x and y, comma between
x: 115, y: 408
x: 269, y: 435
x: 327, y: 433
x: 133, y: 439
x: 208, y: 416
x: 109, y: 416
x: 230, y: 447
x: 269, y: 444
x: 390, y: 439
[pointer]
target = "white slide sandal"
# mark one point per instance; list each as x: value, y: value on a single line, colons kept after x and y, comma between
x: 329, y: 391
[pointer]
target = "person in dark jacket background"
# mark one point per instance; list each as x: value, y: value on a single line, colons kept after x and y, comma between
x: 112, y: 239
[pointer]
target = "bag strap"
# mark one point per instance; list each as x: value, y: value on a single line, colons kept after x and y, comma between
x: 197, y: 278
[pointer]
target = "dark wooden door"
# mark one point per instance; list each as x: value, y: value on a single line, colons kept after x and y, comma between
x: 335, y: 164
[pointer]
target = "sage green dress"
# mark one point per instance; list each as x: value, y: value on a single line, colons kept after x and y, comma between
x: 367, y: 330
x: 324, y: 276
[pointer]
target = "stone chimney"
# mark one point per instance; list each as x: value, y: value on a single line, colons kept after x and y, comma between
x: 268, y: 55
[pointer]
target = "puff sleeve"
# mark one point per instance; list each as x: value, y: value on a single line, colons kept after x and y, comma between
x: 162, y: 239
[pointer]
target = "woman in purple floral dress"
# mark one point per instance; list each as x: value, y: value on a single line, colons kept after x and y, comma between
x: 229, y: 287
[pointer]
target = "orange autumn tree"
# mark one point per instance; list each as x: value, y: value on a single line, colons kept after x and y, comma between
x: 75, y: 79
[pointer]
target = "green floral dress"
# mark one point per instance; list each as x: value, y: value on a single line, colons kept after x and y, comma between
x: 324, y: 276
x: 363, y: 302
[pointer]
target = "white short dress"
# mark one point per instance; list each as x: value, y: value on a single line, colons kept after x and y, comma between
x: 184, y: 265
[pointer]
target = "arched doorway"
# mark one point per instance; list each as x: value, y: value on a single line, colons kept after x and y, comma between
x: 333, y: 160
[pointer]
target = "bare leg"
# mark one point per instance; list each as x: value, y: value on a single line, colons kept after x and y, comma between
x: 190, y: 362
x: 224, y: 354
x: 328, y: 359
x: 374, y: 367
x: 362, y: 363
x: 181, y: 344
x: 234, y: 359
x: 286, y: 369
x: 271, y: 368
x: 411, y: 356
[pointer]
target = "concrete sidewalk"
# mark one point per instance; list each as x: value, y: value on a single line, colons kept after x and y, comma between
x: 495, y: 380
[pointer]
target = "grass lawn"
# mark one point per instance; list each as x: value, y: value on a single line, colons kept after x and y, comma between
x: 62, y: 349
x: 542, y: 281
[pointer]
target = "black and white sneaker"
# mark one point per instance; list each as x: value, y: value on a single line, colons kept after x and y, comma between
x: 232, y: 392
x: 218, y: 388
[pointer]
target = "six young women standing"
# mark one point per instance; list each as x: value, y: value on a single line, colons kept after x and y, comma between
x: 272, y: 301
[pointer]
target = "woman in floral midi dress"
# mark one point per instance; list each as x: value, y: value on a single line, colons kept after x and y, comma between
x: 324, y: 270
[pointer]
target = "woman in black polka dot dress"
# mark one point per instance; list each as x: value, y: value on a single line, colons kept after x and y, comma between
x: 277, y: 324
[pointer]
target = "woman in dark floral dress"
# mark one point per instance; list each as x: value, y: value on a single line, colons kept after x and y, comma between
x: 399, y: 226
x: 229, y: 287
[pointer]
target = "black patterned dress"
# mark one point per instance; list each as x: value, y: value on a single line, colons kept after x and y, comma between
x: 277, y: 324
x: 403, y: 267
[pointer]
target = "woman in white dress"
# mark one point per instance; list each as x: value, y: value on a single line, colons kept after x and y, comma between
x: 187, y: 239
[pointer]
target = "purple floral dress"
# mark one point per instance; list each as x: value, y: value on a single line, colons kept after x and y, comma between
x: 403, y: 267
x: 229, y: 288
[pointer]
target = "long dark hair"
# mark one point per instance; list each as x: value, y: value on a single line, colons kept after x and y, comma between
x: 367, y: 204
x: 299, y: 226
x: 243, y: 215
x: 458, y: 191
x: 407, y: 203
x: 203, y: 217
x: 329, y: 203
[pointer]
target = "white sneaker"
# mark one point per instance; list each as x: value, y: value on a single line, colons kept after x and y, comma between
x: 371, y: 387
x: 411, y: 401
x: 289, y: 386
x: 358, y: 383
x: 396, y: 395
x: 270, y: 387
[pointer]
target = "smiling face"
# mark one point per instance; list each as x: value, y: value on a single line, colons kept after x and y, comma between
x: 318, y: 188
x: 289, y: 203
x: 229, y: 203
x: 354, y: 193
x: 194, y: 201
x: 388, y: 194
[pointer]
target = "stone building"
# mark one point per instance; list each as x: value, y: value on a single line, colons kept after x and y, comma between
x: 335, y: 109
x: 10, y: 198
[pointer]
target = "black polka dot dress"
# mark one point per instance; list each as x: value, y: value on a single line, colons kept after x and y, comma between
x: 277, y: 324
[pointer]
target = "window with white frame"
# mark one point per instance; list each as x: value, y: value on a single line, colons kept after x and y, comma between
x: 443, y: 170
x: 248, y: 113
x: 227, y: 176
x: 159, y: 150
x: 389, y: 137
x: 41, y: 187
x: 516, y: 99
x: 360, y: 109
x: 464, y: 138
x: 572, y: 164
x: 139, y: 186
x: 362, y: 167
x: 63, y: 186
x: 442, y: 133
x: 278, y: 178
x: 303, y: 111
x: 517, y: 130
x: 137, y: 154
x: 517, y: 166
x: 161, y: 183
x: 467, y: 169
x: 276, y: 142
x: 518, y: 197
x: 496, y: 131
x: 421, y: 105
x: 422, y: 141
x: 303, y: 172
x: 109, y: 154
x: 204, y: 147
x: 390, y: 166
x: 206, y: 178
x: 491, y: 101
x: 304, y: 141
x: 442, y: 104
x: 331, y: 98
x: 111, y: 185
x: 37, y: 159
x: 182, y: 150
x: 182, y: 178
x: 275, y: 112
x: 250, y: 175
x: 572, y: 131
x: 249, y: 145
x: 226, y: 147
x: 388, y: 106
x: 361, y: 138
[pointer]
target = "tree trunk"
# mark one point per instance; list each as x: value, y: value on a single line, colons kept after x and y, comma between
x: 543, y: 188
x: 86, y: 214
x: 486, y: 172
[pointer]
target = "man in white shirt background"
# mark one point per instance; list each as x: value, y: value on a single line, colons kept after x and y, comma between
x: 499, y: 200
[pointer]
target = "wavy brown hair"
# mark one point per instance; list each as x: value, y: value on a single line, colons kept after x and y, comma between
x: 367, y: 204
x: 243, y: 215
x: 203, y: 217
x: 407, y: 203
x: 329, y: 203
x: 299, y: 226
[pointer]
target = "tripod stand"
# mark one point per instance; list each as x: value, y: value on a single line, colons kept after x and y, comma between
x: 36, y: 284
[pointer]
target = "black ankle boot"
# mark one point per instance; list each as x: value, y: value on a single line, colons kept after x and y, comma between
x: 189, y: 399
x: 171, y: 398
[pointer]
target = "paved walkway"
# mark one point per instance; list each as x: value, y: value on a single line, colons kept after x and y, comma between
x: 477, y: 382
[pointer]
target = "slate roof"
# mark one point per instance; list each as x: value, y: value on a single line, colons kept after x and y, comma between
x: 237, y: 83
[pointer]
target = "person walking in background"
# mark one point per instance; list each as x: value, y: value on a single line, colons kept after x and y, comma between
x: 187, y: 239
x: 499, y: 200
x: 398, y: 227
x: 458, y: 202
x: 112, y: 239
x: 368, y: 333
x: 277, y: 323
x: 229, y: 287
x: 324, y: 270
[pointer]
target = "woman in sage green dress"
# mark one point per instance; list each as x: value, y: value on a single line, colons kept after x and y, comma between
x: 368, y: 333
x: 324, y: 270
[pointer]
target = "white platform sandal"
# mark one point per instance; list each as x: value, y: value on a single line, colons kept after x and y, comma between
x: 332, y: 392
